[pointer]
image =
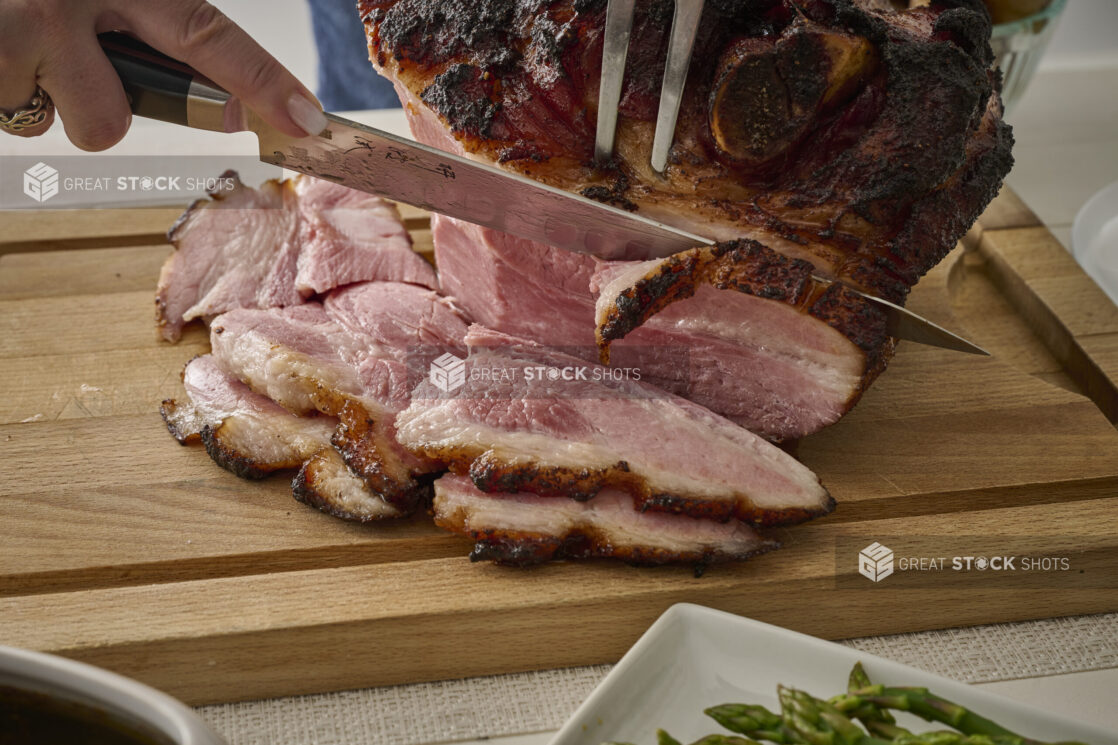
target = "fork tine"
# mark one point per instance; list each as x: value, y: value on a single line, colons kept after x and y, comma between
x: 619, y: 23
x: 685, y: 24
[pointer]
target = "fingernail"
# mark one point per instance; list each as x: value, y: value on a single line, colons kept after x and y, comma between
x: 306, y: 114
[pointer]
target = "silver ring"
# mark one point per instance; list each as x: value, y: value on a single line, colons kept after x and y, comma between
x: 37, y: 111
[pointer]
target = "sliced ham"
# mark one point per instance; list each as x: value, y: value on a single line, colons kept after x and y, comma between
x: 326, y: 483
x: 769, y: 346
x: 517, y: 286
x: 349, y: 358
x: 860, y: 140
x: 750, y: 355
x: 523, y: 528
x: 535, y: 420
x: 252, y: 436
x: 243, y: 431
x: 277, y: 245
x: 349, y: 236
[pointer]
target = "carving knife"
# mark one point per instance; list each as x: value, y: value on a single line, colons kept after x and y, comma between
x: 381, y: 163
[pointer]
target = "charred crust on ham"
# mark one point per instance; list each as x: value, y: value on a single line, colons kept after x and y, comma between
x: 523, y: 549
x: 517, y: 549
x: 228, y: 457
x: 489, y: 473
x: 723, y: 511
x: 168, y: 410
x: 492, y: 475
x: 893, y: 127
x: 430, y: 32
x: 751, y: 268
x: 367, y: 454
x: 461, y: 95
x: 366, y: 451
x: 304, y: 489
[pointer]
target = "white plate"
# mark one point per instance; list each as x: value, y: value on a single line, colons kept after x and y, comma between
x: 694, y: 657
x: 1094, y: 239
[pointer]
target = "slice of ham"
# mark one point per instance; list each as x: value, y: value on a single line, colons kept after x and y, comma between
x: 349, y: 358
x: 514, y: 426
x: 326, y: 483
x: 751, y: 356
x: 252, y: 436
x: 523, y: 528
x: 243, y: 432
x: 277, y: 245
x: 516, y: 286
x: 349, y: 236
x: 770, y: 346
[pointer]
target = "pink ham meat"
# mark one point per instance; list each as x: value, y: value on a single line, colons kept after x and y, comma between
x: 523, y: 529
x: 276, y: 246
x: 750, y: 357
x: 514, y: 427
x: 349, y: 236
x: 243, y: 431
x: 770, y: 346
x: 252, y: 436
x: 851, y: 136
x: 516, y: 286
x: 348, y: 357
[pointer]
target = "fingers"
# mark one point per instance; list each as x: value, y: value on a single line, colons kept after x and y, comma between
x: 86, y: 91
x: 200, y: 35
x: 17, y: 86
x: 18, y: 62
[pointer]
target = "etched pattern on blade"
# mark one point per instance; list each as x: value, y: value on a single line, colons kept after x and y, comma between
x: 383, y: 164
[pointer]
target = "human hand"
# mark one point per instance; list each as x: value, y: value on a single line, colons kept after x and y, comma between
x: 53, y: 44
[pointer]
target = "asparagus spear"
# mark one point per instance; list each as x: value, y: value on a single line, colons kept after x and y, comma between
x: 754, y: 721
x: 821, y: 723
x: 806, y: 720
x: 725, y: 740
x: 663, y: 738
x: 931, y: 708
x: 877, y: 721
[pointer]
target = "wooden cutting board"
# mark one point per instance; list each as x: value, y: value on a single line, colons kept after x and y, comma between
x: 121, y: 548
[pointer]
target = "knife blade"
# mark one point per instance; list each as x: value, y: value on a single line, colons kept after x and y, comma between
x: 380, y: 163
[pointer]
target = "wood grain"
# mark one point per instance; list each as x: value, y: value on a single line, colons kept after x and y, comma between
x: 101, y: 383
x: 89, y: 271
x: 329, y: 629
x: 1069, y: 312
x: 27, y: 231
x: 124, y: 549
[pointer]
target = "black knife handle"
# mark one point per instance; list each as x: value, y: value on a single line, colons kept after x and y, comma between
x: 159, y: 87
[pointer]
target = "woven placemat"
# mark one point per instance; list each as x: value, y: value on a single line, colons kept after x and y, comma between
x: 537, y: 702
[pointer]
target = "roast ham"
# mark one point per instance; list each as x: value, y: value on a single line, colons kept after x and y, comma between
x: 532, y: 419
x: 252, y: 436
x: 852, y: 141
x: 277, y: 245
x: 593, y: 408
x: 348, y: 357
x: 523, y: 529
